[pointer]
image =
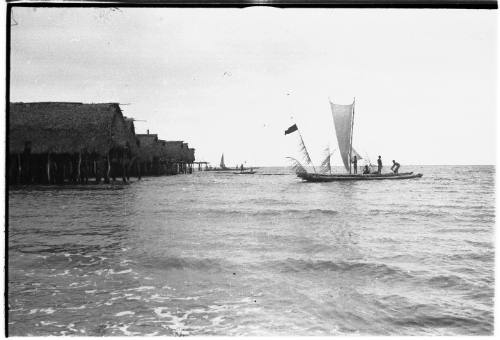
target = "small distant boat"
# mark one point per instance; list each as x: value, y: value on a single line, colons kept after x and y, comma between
x: 244, y: 173
x: 222, y: 168
x: 343, y: 118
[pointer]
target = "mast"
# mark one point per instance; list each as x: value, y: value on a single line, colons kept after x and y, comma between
x: 352, y: 127
x: 329, y: 164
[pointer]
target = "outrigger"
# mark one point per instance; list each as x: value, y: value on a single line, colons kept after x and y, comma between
x: 312, y: 177
x: 343, y: 119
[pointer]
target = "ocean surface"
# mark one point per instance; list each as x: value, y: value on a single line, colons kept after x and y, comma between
x: 264, y: 254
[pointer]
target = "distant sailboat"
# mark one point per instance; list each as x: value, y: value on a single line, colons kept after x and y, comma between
x: 222, y: 165
x: 343, y: 119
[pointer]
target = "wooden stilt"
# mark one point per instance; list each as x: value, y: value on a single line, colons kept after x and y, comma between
x: 71, y: 171
x: 98, y: 169
x: 122, y: 161
x: 48, y: 168
x: 19, y: 169
x: 85, y: 171
x: 28, y: 168
x: 63, y: 177
x: 108, y: 168
x: 78, y: 167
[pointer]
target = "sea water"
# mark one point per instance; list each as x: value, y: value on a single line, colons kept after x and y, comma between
x: 264, y: 254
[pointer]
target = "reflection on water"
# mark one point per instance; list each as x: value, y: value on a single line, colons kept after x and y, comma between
x: 255, y: 255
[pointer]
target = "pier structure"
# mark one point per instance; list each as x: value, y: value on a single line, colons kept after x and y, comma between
x: 200, y: 168
x: 68, y: 142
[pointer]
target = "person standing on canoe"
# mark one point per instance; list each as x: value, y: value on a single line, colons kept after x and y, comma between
x: 355, y: 164
x: 379, y: 163
x: 395, y: 166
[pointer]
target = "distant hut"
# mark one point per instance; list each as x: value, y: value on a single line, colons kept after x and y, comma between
x: 174, y: 156
x: 134, y: 166
x: 165, y: 160
x: 184, y: 157
x: 187, y: 158
x: 191, y: 159
x: 149, y: 153
x: 51, y: 142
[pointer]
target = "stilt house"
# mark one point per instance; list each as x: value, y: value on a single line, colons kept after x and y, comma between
x: 57, y: 142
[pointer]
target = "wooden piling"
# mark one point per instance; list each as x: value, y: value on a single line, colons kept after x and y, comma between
x: 19, y: 169
x: 48, y: 168
x: 78, y: 166
x: 122, y: 161
x: 108, y: 169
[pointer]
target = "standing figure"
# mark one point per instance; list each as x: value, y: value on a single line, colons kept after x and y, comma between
x: 395, y: 166
x: 241, y: 168
x: 379, y: 163
x: 355, y: 164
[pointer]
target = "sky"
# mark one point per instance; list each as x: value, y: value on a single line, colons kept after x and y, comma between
x: 232, y: 80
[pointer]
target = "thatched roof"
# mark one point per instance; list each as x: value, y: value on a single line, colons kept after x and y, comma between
x: 173, y: 151
x: 148, y: 146
x: 147, y: 139
x: 162, y: 145
x: 129, y: 122
x: 62, y: 127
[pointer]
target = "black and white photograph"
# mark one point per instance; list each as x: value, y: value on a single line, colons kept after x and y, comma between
x: 249, y: 171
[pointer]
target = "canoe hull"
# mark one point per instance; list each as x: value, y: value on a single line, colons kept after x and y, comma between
x: 347, y: 177
x: 220, y: 170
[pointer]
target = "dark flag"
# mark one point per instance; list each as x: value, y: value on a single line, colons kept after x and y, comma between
x: 291, y: 129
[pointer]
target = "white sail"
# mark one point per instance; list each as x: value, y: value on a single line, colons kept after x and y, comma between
x: 222, y: 165
x: 342, y: 119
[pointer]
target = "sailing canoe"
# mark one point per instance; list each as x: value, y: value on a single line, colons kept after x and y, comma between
x: 343, y: 120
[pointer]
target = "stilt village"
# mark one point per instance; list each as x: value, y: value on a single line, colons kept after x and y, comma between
x: 66, y: 142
